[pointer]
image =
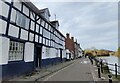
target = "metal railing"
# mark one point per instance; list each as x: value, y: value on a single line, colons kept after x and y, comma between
x: 101, y: 63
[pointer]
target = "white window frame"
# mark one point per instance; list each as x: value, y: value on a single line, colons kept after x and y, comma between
x: 16, y: 51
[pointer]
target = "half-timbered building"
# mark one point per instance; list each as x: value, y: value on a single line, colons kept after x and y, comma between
x: 28, y: 39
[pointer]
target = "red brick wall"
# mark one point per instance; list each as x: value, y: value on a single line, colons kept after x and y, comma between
x: 69, y: 43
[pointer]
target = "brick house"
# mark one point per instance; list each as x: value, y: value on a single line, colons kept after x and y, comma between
x: 69, y: 44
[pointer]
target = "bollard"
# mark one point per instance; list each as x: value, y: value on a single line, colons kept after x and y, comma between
x: 115, y: 70
x: 110, y: 78
x: 99, y: 75
x: 101, y: 66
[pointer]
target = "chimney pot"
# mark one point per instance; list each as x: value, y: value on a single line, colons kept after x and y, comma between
x: 72, y: 38
x: 67, y: 35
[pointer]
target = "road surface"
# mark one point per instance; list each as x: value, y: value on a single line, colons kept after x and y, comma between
x: 79, y: 71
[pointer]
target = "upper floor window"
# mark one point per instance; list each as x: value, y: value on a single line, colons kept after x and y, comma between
x: 42, y: 22
x: 22, y: 20
x: 25, y: 10
x: 17, y: 4
x: 4, y: 9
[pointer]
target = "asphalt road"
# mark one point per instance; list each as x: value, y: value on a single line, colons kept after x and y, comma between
x: 79, y: 71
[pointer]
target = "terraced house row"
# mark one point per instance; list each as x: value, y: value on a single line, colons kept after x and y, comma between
x: 28, y: 39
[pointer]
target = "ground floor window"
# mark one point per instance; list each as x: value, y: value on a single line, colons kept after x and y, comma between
x: 15, y: 51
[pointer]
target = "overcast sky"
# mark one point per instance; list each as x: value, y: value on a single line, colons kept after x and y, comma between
x: 93, y: 24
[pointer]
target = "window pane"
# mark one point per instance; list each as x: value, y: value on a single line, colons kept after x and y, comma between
x: 42, y: 22
x: 32, y: 25
x: 27, y: 23
x: 13, y: 15
x: 18, y: 19
x: 37, y: 28
x: 41, y: 30
x: 15, y: 51
x: 23, y: 21
x: 25, y: 10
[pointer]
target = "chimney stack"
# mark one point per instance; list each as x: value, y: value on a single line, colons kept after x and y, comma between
x: 67, y: 35
x: 72, y: 38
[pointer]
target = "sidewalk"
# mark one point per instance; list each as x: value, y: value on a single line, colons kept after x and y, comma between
x: 104, y: 77
x: 41, y: 73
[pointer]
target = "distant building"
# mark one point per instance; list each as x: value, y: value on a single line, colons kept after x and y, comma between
x: 69, y: 44
x: 78, y: 50
x: 28, y: 39
x: 55, y: 24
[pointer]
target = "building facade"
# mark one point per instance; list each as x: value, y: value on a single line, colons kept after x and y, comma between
x: 72, y: 47
x: 69, y: 45
x: 78, y: 50
x: 28, y: 40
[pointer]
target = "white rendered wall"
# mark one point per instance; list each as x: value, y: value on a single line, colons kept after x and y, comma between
x: 13, y: 15
x: 4, y: 50
x: 26, y: 10
x: 4, y: 9
x: 17, y: 4
x: 24, y: 34
x: 44, y: 53
x: 64, y: 54
x: 29, y: 52
x: 52, y: 53
x: 31, y: 36
x: 58, y: 53
x: 3, y: 26
x: 36, y: 38
x: 13, y: 31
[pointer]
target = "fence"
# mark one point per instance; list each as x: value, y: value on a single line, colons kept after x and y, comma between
x: 101, y: 63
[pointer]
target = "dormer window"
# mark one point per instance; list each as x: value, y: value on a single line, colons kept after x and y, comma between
x: 45, y: 13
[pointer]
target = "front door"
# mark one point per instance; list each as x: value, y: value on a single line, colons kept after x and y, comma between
x: 38, y: 57
x: 61, y: 55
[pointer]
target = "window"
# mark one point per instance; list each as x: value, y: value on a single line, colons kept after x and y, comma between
x: 49, y: 27
x: 44, y: 41
x: 40, y: 39
x: 22, y: 20
x: 45, y: 33
x: 32, y: 25
x: 36, y: 38
x: 52, y: 30
x: 18, y: 19
x: 13, y: 15
x: 17, y: 4
x: 41, y: 30
x: 25, y: 10
x: 4, y: 9
x: 42, y: 22
x: 37, y: 28
x: 15, y: 51
x: 31, y: 37
x: 46, y: 26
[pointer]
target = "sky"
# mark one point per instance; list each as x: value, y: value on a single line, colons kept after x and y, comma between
x: 92, y: 23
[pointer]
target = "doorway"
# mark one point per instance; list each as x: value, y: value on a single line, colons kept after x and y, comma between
x: 61, y: 55
x: 38, y: 56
